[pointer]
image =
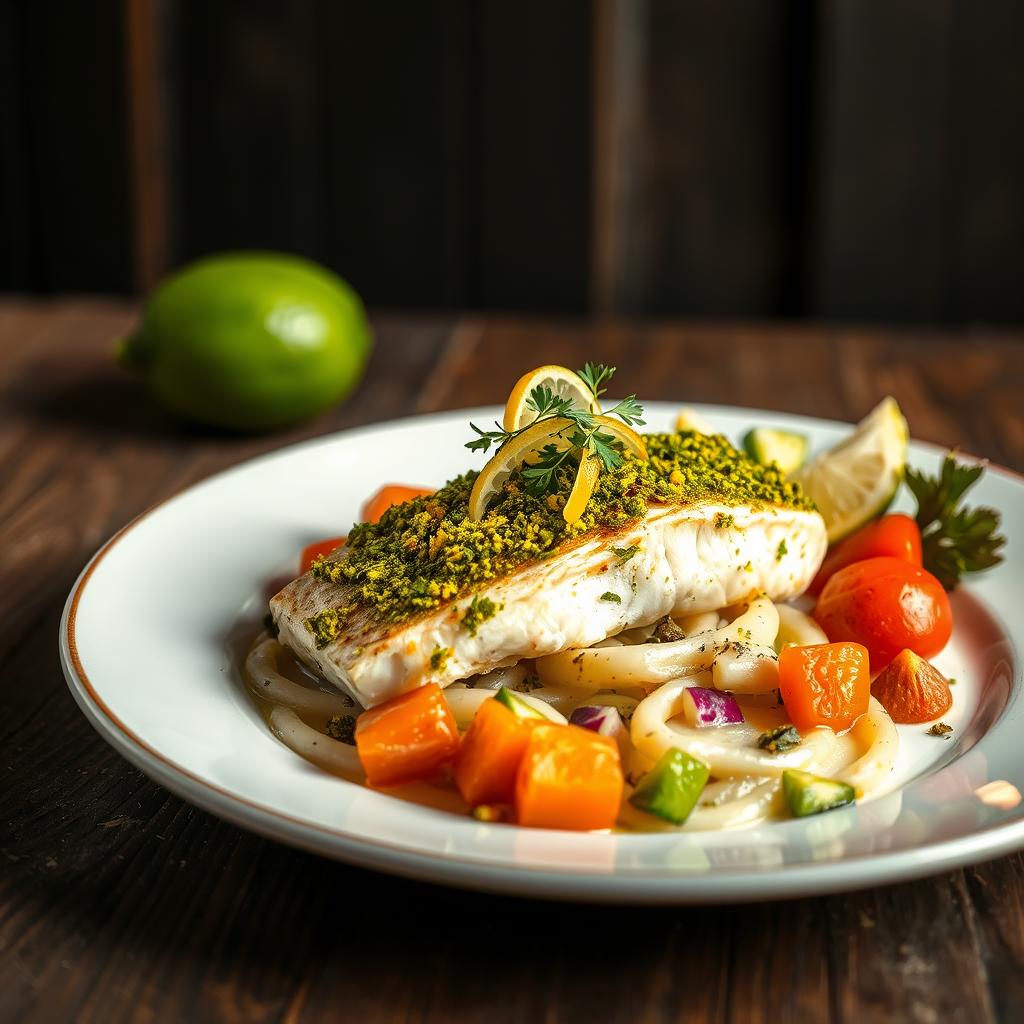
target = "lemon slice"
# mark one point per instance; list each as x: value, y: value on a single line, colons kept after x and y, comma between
x: 555, y: 430
x: 562, y: 381
x: 858, y: 478
x: 510, y: 456
x: 631, y: 441
x: 582, y: 488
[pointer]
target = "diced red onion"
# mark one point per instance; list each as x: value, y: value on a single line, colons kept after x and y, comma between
x: 703, y: 707
x: 603, y: 720
x: 606, y: 721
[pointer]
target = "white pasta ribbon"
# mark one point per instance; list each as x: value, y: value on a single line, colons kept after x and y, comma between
x: 876, y: 731
x: 746, y: 668
x: 465, y: 703
x: 644, y: 664
x: 330, y: 754
x: 265, y: 680
x: 797, y: 628
x: 730, y: 751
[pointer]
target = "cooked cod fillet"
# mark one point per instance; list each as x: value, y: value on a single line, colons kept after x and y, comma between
x: 690, y: 558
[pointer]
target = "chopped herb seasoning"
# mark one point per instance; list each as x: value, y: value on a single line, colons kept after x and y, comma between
x: 723, y: 520
x: 951, y: 680
x: 780, y: 739
x: 940, y: 729
x: 439, y: 659
x: 781, y: 551
x: 342, y: 727
x: 613, y: 598
x: 426, y: 552
x: 625, y: 554
x: 479, y: 611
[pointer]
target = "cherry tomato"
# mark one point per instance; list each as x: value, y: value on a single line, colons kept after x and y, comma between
x: 887, y: 605
x: 896, y: 536
x: 314, y: 551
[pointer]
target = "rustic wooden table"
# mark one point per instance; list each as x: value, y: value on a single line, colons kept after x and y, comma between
x: 120, y: 902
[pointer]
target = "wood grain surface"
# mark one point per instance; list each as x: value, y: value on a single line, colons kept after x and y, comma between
x: 118, y: 902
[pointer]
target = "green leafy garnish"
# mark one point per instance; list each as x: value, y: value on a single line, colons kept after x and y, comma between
x: 954, y: 540
x: 609, y: 596
x: 625, y: 554
x: 582, y: 432
x: 779, y: 739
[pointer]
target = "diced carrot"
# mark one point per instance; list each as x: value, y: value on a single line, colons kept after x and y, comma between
x: 388, y: 495
x: 825, y: 684
x: 491, y: 751
x: 912, y: 690
x: 408, y: 738
x: 569, y: 778
x: 316, y: 550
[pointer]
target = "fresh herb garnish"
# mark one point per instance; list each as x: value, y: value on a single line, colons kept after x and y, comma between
x: 954, y: 540
x: 781, y: 551
x: 940, y: 729
x: 342, y: 727
x: 625, y: 554
x: 439, y: 658
x: 582, y: 435
x: 780, y: 739
x: 609, y: 596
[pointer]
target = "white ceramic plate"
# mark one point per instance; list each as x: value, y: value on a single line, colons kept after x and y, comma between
x: 148, y: 646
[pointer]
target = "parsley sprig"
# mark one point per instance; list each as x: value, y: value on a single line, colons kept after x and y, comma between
x: 954, y: 540
x: 583, y: 432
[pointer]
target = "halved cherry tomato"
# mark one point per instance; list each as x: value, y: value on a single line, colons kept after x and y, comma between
x: 316, y: 550
x: 409, y: 737
x: 912, y: 690
x: 895, y: 536
x: 825, y: 684
x: 887, y: 605
x: 388, y: 495
x: 568, y: 778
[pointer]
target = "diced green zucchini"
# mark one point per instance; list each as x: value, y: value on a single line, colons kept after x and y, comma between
x: 516, y: 704
x: 670, y: 790
x: 812, y: 794
x: 788, y: 451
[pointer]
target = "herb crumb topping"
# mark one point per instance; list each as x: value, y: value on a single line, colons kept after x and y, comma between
x: 426, y: 552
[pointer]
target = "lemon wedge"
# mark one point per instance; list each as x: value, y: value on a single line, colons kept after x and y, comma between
x: 561, y: 380
x: 856, y: 480
x: 555, y: 431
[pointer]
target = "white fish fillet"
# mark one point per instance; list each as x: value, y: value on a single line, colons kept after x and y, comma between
x: 685, y: 564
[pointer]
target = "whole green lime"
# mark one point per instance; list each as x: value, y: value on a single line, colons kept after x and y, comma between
x: 251, y: 340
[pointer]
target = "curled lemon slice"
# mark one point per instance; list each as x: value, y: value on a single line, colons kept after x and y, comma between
x: 562, y: 381
x: 555, y: 431
x: 510, y: 456
x: 582, y: 488
x: 630, y: 440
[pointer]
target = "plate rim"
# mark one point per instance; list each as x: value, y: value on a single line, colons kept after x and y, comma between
x: 723, y: 885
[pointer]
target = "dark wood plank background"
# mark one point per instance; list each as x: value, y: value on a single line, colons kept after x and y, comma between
x: 799, y: 158
x: 118, y: 902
